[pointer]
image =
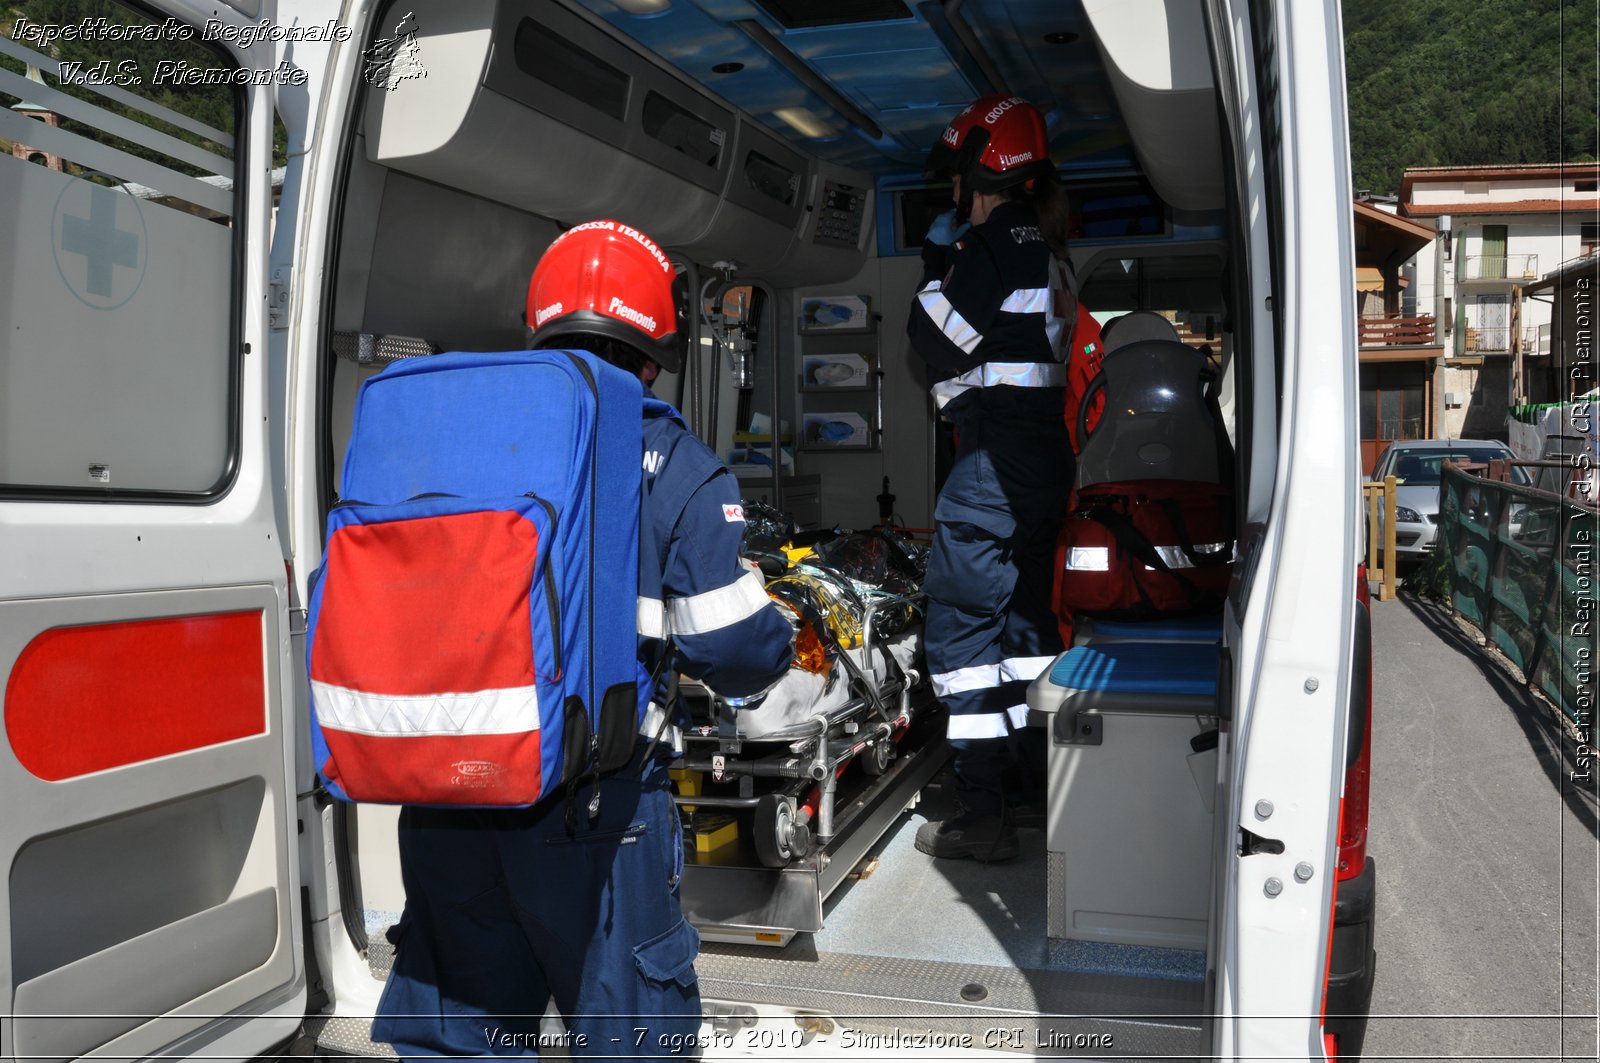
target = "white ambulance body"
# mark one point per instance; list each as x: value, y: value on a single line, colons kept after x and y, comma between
x: 180, y: 344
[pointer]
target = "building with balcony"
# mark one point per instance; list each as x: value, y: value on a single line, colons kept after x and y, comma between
x: 1399, y: 342
x: 1499, y: 230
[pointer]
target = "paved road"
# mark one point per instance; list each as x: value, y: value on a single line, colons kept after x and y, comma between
x: 1487, y: 856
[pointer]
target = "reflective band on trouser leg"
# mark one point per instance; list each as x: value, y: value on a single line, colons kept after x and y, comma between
x: 974, y: 677
x: 978, y: 725
x: 988, y: 724
x: 1024, y: 669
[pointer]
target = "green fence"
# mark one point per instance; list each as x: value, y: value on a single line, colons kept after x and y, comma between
x: 1523, y: 572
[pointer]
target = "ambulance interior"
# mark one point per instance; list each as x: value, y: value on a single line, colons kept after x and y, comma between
x: 774, y: 149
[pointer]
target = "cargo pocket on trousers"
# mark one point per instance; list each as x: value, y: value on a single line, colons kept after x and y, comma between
x: 971, y: 567
x: 411, y: 1009
x: 669, y: 958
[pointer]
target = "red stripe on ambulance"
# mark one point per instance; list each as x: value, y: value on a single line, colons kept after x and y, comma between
x: 87, y: 698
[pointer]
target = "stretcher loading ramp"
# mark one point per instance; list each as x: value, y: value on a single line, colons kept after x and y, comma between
x: 729, y: 894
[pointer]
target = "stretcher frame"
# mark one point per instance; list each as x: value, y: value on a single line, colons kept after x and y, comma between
x: 805, y: 839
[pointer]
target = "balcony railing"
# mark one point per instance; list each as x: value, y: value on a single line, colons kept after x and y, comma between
x: 1498, y: 340
x: 1398, y: 331
x: 1499, y: 268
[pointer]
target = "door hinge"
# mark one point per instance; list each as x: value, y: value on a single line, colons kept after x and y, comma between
x: 278, y: 297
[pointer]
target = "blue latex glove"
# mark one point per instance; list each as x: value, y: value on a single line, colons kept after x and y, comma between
x: 944, y: 230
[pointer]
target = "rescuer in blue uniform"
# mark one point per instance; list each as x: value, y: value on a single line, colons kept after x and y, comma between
x: 509, y: 909
x: 991, y: 324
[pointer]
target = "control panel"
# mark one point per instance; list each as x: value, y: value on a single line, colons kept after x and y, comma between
x: 840, y: 215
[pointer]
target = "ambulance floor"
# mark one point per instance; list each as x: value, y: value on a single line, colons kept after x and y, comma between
x: 960, y: 946
x: 984, y: 913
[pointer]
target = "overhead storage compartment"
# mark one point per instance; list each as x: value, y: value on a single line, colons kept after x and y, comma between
x: 540, y: 107
x: 1160, y: 70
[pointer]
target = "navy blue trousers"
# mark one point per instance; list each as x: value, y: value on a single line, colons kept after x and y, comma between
x: 991, y: 628
x: 505, y: 911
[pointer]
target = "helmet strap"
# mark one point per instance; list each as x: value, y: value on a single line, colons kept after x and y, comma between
x: 964, y: 204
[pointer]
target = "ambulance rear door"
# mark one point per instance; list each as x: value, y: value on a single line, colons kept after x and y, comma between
x: 150, y: 899
x: 1289, y: 669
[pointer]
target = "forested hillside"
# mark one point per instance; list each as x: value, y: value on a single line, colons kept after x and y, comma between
x: 1468, y: 83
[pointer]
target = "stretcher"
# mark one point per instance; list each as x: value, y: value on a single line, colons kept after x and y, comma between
x: 782, y: 793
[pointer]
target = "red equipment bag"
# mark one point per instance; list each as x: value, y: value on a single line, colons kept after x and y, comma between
x: 1146, y: 548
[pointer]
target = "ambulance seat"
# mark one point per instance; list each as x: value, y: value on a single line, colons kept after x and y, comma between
x: 1132, y: 728
x: 1136, y: 326
x: 1157, y: 423
x: 1207, y: 629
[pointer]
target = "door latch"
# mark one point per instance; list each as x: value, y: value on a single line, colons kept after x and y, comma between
x: 278, y: 298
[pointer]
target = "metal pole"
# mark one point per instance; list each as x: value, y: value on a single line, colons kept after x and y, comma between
x: 777, y: 412
x: 1389, y: 565
x: 688, y: 378
x: 1372, y: 530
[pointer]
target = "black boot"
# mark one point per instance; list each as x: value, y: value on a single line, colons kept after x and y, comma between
x: 970, y: 835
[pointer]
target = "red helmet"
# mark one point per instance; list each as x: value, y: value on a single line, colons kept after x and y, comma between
x: 609, y: 279
x: 997, y: 142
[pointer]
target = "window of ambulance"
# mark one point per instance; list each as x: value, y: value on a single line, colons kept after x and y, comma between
x: 1186, y: 289
x: 119, y: 351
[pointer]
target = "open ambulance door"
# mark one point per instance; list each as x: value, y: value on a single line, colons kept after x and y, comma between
x: 1289, y: 673
x: 150, y: 902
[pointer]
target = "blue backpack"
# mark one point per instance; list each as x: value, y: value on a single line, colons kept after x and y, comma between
x: 471, y: 636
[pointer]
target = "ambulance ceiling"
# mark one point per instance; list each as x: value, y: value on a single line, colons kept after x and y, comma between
x: 869, y: 84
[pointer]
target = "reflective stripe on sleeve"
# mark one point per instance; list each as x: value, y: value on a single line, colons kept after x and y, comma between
x: 700, y: 614
x: 650, y: 618
x: 955, y: 327
x: 1029, y: 301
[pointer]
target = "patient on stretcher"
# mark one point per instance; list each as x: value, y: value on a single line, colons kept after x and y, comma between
x: 855, y: 598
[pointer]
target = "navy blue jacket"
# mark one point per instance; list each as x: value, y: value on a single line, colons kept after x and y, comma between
x: 997, y: 317
x: 728, y: 633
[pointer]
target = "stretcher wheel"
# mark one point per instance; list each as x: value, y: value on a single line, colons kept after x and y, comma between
x: 775, y: 830
x: 876, y: 758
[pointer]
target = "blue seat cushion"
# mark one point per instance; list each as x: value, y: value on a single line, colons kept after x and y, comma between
x: 1175, y: 627
x: 1171, y: 668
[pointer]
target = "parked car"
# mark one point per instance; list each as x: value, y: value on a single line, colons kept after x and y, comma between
x: 1416, y: 465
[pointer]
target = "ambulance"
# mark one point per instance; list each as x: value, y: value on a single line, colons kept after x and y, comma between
x: 220, y: 217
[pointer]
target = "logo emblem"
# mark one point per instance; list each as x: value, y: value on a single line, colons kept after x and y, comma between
x: 475, y: 774
x: 100, y: 242
x: 392, y: 60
